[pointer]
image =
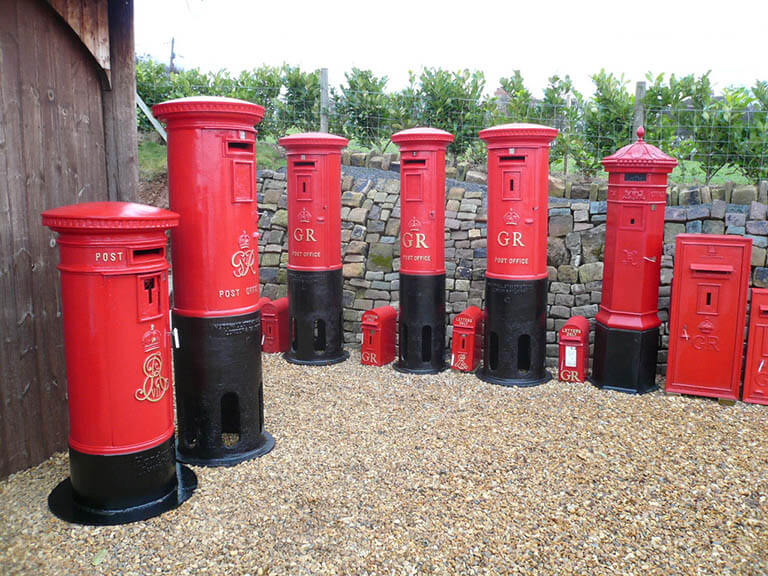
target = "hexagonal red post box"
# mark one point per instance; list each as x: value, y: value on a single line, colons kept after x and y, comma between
x: 216, y: 317
x: 574, y: 350
x: 467, y: 343
x: 114, y: 297
x: 627, y: 328
x: 422, y: 249
x: 314, y: 248
x: 708, y: 314
x: 379, y: 326
x: 756, y: 373
x: 275, y: 320
x: 516, y: 278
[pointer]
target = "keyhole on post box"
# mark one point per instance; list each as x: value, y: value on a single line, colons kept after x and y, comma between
x: 319, y: 334
x: 304, y: 188
x: 230, y: 419
x: 463, y: 342
x: 632, y: 221
x: 370, y: 337
x: 149, y: 286
x: 709, y: 298
x: 151, y: 303
x: 511, y: 185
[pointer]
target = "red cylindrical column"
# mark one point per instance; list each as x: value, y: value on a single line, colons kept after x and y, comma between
x: 315, y: 282
x: 422, y: 249
x: 627, y: 327
x: 216, y: 318
x: 516, y: 278
x: 114, y: 296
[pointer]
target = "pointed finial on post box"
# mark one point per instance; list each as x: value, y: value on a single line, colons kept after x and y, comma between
x: 640, y: 133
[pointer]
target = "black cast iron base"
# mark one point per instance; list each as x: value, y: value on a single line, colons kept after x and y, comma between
x: 106, y: 490
x: 515, y: 332
x: 219, y: 390
x: 625, y: 360
x: 316, y: 319
x: 421, y: 324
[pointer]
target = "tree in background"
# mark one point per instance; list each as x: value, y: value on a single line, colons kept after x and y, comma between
x: 361, y: 108
x: 607, y: 119
x: 299, y: 108
x: 516, y: 106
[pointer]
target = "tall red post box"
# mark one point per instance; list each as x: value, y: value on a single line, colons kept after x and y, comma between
x: 756, y: 373
x: 275, y: 323
x: 216, y: 317
x: 466, y: 345
x: 422, y: 249
x: 379, y: 327
x: 114, y: 298
x: 315, y: 282
x: 627, y: 327
x: 514, y: 346
x: 708, y: 313
x: 574, y: 350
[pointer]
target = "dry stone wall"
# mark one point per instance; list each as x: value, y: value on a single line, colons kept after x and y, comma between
x: 371, y: 250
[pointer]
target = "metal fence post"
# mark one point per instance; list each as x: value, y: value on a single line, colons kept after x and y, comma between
x: 324, y: 100
x: 639, y: 117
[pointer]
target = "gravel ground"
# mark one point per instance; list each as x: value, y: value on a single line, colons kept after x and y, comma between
x: 376, y: 472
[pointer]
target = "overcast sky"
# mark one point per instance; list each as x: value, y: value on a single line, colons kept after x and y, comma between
x: 391, y: 37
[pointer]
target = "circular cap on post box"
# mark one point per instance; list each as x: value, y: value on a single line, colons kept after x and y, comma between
x: 520, y: 133
x: 639, y: 156
x: 313, y: 143
x: 220, y: 110
x: 112, y: 217
x: 422, y: 138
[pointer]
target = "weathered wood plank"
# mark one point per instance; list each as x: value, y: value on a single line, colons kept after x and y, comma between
x: 88, y: 19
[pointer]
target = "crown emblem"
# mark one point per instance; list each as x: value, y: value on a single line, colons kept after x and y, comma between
x: 511, y: 218
x: 706, y: 327
x: 244, y: 241
x: 414, y: 224
x: 151, y: 339
x: 305, y: 216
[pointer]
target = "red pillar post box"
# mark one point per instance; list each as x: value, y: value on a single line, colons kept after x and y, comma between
x: 756, y: 374
x: 276, y: 326
x: 216, y: 317
x: 379, y: 327
x: 627, y: 328
x: 516, y: 277
x: 466, y: 345
x: 315, y: 283
x: 574, y: 350
x: 422, y: 249
x: 114, y: 297
x: 708, y: 313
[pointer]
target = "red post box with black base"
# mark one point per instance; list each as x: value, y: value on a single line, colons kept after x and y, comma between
x: 466, y: 344
x: 756, y: 374
x: 627, y: 325
x: 275, y: 323
x: 315, y: 282
x: 574, y: 350
x: 708, y: 314
x: 379, y: 327
x: 422, y: 249
x: 216, y: 317
x: 516, y: 278
x: 114, y: 298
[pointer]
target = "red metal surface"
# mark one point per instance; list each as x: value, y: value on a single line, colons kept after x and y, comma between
x: 574, y: 350
x: 114, y: 297
x: 275, y: 326
x: 518, y: 169
x: 422, y: 199
x: 634, y: 235
x: 314, y: 200
x: 467, y: 341
x: 756, y: 372
x: 212, y: 185
x: 379, y: 328
x: 708, y: 311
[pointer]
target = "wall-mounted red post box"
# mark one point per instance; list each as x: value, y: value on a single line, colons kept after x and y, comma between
x: 114, y: 297
x: 275, y: 319
x: 574, y: 350
x: 422, y: 249
x: 216, y: 318
x: 756, y: 374
x: 514, y: 345
x: 466, y: 345
x: 314, y: 248
x: 708, y: 313
x: 379, y: 327
x: 627, y: 327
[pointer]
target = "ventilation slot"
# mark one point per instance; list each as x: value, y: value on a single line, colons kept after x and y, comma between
x: 493, y: 351
x: 426, y: 343
x: 230, y: 419
x: 294, y: 335
x: 524, y: 354
x: 403, y: 341
x: 319, y: 335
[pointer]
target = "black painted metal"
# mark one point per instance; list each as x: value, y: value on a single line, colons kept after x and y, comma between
x: 515, y: 332
x: 625, y: 360
x: 316, y: 317
x: 219, y: 390
x: 421, y: 324
x: 118, y: 489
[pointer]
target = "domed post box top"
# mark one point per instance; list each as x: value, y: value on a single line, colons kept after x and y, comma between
x: 639, y: 156
x: 209, y: 111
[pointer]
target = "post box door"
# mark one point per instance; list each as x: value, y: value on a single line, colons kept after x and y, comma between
x: 422, y: 216
x: 756, y: 376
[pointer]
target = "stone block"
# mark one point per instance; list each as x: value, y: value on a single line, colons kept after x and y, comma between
x: 744, y: 195
x: 560, y: 225
x: 567, y: 273
x: 713, y: 227
x: 590, y: 272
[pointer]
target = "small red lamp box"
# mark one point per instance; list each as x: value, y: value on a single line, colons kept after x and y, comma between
x: 379, y: 326
x: 466, y: 345
x: 574, y: 350
x: 756, y: 376
x: 276, y: 326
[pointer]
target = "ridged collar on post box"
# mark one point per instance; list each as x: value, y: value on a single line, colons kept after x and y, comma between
x: 313, y: 143
x: 639, y: 156
x: 422, y: 138
x: 519, y: 133
x: 209, y: 108
x: 109, y: 217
